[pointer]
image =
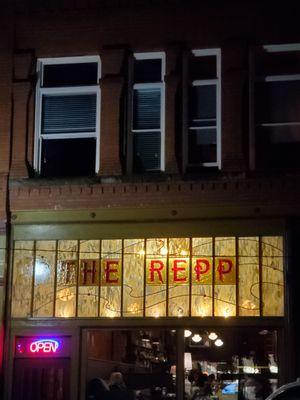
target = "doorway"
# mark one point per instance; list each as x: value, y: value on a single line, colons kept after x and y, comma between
x: 41, y: 379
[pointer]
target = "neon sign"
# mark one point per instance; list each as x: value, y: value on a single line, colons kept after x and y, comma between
x: 44, y: 346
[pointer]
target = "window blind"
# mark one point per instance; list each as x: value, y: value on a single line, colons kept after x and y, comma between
x: 64, y: 114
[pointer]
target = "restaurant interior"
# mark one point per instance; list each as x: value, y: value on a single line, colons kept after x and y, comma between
x: 236, y: 363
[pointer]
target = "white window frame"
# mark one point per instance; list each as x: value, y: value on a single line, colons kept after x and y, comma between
x: 154, y: 85
x: 205, y: 82
x: 65, y: 90
x: 283, y: 48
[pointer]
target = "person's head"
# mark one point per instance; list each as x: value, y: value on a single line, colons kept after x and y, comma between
x: 199, y: 367
x: 116, y: 378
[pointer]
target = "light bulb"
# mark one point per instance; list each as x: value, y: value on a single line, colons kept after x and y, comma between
x: 219, y: 343
x: 226, y: 313
x: 187, y: 333
x: 212, y: 336
x: 196, y: 338
x: 180, y: 311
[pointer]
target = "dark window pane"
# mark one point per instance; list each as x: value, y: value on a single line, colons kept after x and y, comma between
x: 68, y: 157
x: 146, y: 151
x: 202, y: 105
x: 202, y: 146
x: 146, y: 109
x: 147, y: 71
x: 278, y: 146
x: 203, y: 67
x: 70, y: 74
x: 68, y: 114
x: 278, y: 63
x: 277, y: 101
x: 289, y: 394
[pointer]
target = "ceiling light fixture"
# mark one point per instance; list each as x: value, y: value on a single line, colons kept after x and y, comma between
x: 187, y: 333
x: 219, y: 343
x: 196, y: 338
x: 212, y: 336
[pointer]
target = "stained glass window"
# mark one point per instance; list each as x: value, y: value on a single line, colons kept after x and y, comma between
x: 153, y: 277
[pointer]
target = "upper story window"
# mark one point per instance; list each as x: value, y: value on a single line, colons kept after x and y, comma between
x: 147, y: 113
x: 277, y: 106
x: 67, y: 116
x: 202, y: 109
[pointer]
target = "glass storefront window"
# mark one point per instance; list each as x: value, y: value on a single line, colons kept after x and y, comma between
x: 213, y: 364
x: 153, y: 277
x: 232, y: 363
x: 131, y: 364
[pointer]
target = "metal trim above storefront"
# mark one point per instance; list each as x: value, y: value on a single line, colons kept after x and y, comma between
x: 131, y: 229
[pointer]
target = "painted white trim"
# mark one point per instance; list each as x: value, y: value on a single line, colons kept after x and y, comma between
x: 71, y: 135
x: 281, y: 78
x: 71, y: 60
x: 155, y: 85
x: 219, y: 111
x: 205, y: 82
x: 270, y: 124
x: 206, y: 52
x: 201, y: 128
x: 145, y: 130
x: 162, y: 127
x: 37, y: 123
x: 217, y: 82
x: 69, y: 91
x: 98, y: 130
x: 155, y: 55
x: 66, y: 90
x: 280, y: 48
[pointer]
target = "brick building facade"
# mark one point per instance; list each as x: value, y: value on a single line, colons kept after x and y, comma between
x: 242, y: 190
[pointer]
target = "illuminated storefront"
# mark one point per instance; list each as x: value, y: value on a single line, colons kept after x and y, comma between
x: 88, y: 306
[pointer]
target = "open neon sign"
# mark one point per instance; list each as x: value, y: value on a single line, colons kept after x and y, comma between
x: 44, y: 346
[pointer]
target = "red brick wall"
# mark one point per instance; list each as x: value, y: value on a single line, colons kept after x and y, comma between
x: 113, y: 29
x: 80, y: 28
